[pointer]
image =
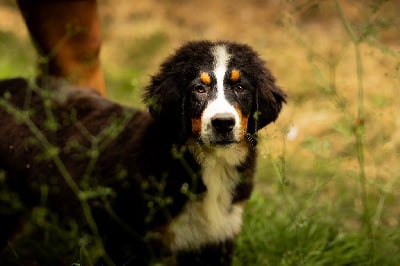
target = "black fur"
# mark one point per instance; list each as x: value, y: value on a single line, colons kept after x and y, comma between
x: 51, y: 132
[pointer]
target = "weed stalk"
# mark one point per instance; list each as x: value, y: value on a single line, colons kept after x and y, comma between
x: 359, y: 127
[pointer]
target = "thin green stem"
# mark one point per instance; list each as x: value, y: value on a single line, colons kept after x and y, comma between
x: 359, y: 128
x: 359, y: 134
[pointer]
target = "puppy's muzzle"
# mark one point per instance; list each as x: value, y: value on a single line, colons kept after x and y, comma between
x: 223, y: 123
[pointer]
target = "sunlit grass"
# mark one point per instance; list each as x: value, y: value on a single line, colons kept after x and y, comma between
x: 278, y: 232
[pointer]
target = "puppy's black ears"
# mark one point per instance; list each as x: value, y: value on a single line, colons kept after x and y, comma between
x: 162, y: 98
x: 267, y: 102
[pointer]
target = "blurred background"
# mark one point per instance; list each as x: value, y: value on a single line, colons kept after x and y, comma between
x: 328, y: 183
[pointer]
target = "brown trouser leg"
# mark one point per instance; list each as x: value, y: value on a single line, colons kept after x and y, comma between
x: 67, y: 36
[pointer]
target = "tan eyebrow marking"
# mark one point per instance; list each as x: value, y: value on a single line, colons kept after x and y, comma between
x: 235, y: 75
x: 205, y: 78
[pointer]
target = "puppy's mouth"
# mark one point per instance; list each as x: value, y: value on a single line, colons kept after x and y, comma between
x: 228, y: 141
x: 218, y: 140
x: 222, y: 142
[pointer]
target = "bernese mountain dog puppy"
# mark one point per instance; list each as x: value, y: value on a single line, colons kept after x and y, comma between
x: 169, y: 183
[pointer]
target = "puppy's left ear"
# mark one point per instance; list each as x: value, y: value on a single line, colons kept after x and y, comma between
x: 268, y: 101
x: 162, y: 98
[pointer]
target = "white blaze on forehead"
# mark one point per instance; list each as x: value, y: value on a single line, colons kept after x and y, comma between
x: 221, y: 60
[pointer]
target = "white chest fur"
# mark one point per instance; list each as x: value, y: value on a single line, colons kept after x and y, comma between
x: 212, y: 218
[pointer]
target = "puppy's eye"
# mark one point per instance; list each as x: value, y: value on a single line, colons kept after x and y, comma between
x: 239, y: 88
x: 199, y: 89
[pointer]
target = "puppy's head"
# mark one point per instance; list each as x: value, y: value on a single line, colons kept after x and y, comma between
x: 216, y: 92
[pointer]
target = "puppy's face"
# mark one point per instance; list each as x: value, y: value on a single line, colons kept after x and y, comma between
x: 221, y: 100
x: 217, y: 91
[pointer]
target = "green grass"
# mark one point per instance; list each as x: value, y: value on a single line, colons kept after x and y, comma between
x: 313, y: 217
x: 278, y: 233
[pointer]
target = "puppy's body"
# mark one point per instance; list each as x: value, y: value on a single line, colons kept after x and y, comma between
x: 172, y: 180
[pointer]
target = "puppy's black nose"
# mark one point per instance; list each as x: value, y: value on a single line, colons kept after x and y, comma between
x: 223, y: 123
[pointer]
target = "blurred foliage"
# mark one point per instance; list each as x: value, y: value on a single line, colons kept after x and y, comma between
x: 17, y: 58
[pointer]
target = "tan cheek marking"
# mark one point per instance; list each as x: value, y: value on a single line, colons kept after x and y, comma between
x: 205, y: 78
x: 235, y: 75
x: 196, y: 126
x: 243, y: 122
